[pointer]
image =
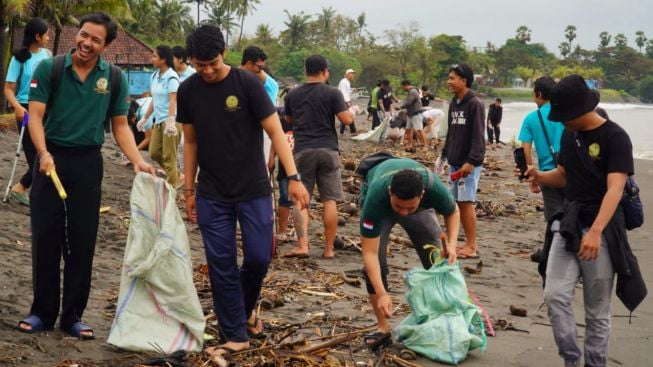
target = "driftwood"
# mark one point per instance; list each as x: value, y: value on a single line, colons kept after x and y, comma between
x: 328, y: 343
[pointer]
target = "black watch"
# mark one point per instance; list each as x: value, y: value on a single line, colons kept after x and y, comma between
x: 295, y: 177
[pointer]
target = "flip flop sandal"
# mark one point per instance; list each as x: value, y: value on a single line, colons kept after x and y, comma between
x: 377, y: 339
x: 34, y: 322
x: 77, y: 329
x: 21, y: 197
x: 258, y: 336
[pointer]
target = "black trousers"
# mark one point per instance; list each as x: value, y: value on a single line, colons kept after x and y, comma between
x: 493, y: 127
x: 376, y: 121
x: 80, y: 171
x: 30, y: 154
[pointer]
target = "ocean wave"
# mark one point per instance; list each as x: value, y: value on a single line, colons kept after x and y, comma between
x: 625, y: 106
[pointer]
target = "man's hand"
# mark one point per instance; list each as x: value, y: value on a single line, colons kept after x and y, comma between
x: 466, y: 169
x: 191, y: 213
x: 46, y: 162
x: 532, y: 174
x: 298, y: 194
x: 20, y: 114
x: 170, y: 129
x: 384, y: 302
x: 140, y: 125
x: 590, y: 245
x: 535, y: 188
x: 143, y: 166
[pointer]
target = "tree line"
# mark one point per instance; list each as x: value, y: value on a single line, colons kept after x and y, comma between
x: 402, y: 52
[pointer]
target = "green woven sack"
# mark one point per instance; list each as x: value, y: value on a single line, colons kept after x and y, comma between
x: 444, y: 324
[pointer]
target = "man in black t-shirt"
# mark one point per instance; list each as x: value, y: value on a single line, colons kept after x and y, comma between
x: 385, y: 98
x: 494, y: 116
x: 224, y: 111
x: 589, y: 239
x: 312, y: 108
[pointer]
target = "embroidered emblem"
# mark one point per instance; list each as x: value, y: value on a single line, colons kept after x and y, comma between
x: 368, y: 224
x: 594, y: 150
x: 101, y: 85
x: 232, y: 103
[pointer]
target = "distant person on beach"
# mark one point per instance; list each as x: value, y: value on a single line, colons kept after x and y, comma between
x: 432, y: 119
x: 70, y: 138
x: 537, y: 130
x: 312, y: 108
x: 224, y: 111
x: 425, y: 96
x: 181, y: 63
x: 588, y: 240
x: 374, y: 105
x: 253, y: 60
x: 464, y: 149
x: 401, y: 190
x: 345, y: 88
x: 413, y: 107
x: 494, y: 116
x: 386, y: 98
x: 19, y: 74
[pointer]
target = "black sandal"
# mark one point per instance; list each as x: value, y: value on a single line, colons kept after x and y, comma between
x: 377, y: 339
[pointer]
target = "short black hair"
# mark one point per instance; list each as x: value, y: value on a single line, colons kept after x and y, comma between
x: 464, y: 71
x: 498, y: 100
x: 407, y: 184
x: 385, y: 82
x: 379, y: 83
x: 180, y: 53
x: 205, y: 42
x: 543, y: 86
x: 103, y: 19
x: 165, y: 53
x: 315, y: 64
x: 253, y: 54
x: 425, y: 87
x: 406, y: 82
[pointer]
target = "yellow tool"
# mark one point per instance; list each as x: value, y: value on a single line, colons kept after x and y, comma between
x: 57, y: 184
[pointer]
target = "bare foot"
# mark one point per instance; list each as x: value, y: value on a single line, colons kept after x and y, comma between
x: 226, y: 349
x: 329, y: 253
x: 297, y: 252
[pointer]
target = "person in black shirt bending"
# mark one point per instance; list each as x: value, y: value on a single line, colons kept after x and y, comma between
x: 494, y: 115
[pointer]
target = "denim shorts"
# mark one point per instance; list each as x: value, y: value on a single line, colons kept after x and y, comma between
x: 284, y: 200
x: 465, y: 188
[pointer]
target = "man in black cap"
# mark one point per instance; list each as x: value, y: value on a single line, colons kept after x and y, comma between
x: 589, y: 239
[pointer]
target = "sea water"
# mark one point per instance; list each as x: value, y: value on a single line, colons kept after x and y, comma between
x: 636, y: 119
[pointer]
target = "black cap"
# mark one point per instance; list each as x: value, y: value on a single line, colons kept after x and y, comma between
x: 571, y: 98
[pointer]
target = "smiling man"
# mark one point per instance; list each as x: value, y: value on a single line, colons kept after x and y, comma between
x: 224, y: 111
x: 71, y: 137
x: 401, y: 190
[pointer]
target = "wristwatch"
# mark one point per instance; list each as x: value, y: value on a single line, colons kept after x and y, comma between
x: 295, y: 177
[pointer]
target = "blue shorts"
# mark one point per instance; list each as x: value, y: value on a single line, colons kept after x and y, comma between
x: 465, y: 188
x: 283, y: 193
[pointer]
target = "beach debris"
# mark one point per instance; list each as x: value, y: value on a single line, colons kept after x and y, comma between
x: 354, y: 282
x: 338, y: 243
x: 475, y: 270
x: 518, y: 311
x: 341, y: 221
x: 104, y: 209
x: 349, y: 208
x: 400, y: 240
x: 349, y: 164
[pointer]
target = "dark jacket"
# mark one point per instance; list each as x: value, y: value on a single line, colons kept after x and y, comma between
x: 631, y: 288
x: 466, y: 134
x: 494, y: 114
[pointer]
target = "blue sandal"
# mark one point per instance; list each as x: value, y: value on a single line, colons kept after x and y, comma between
x: 77, y: 329
x: 35, y: 323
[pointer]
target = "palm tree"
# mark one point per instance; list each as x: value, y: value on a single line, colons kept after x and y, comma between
x: 297, y: 25
x: 640, y: 40
x: 620, y: 40
x: 360, y: 22
x: 570, y: 34
x: 605, y: 39
x: 523, y: 34
x: 173, y: 19
x: 144, y: 14
x: 565, y: 49
x: 221, y: 15
x: 243, y: 9
x: 263, y: 34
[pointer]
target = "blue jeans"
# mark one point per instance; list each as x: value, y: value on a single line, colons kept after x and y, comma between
x: 236, y: 291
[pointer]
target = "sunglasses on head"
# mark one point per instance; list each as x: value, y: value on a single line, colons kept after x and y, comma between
x: 457, y: 68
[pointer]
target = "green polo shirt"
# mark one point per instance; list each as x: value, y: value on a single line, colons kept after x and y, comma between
x: 375, y: 197
x: 76, y: 114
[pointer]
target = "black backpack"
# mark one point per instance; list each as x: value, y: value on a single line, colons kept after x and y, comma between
x: 114, y: 77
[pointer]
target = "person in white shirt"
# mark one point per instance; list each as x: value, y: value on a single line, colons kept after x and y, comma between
x: 432, y: 118
x: 345, y: 89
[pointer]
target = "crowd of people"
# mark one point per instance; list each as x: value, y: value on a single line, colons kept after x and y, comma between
x: 228, y: 117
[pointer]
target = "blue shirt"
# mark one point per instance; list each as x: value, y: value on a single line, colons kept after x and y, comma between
x: 531, y: 133
x: 22, y: 91
x: 161, y: 87
x: 271, y: 88
x: 188, y: 72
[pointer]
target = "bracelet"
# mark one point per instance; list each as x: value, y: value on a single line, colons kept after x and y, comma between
x: 42, y: 153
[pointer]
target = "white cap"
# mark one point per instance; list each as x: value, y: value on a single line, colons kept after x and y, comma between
x: 350, y: 71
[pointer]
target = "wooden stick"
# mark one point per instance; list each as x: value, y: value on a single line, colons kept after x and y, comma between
x: 329, y: 343
x: 400, y: 361
x: 316, y: 293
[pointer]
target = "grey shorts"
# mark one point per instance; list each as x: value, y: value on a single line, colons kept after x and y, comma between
x: 416, y: 122
x: 321, y: 166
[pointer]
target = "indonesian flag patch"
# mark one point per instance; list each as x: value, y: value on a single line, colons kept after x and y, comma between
x: 33, y: 83
x: 368, y: 224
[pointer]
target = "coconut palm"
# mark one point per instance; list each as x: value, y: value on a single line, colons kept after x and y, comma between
x: 640, y: 40
x: 523, y: 34
x: 243, y: 9
x: 570, y: 34
x: 173, y: 19
x: 222, y: 15
x: 296, y: 33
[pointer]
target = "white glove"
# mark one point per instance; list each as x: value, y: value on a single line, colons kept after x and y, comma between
x: 170, y: 129
x: 140, y: 125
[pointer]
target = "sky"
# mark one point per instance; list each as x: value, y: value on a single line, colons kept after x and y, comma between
x: 479, y: 21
